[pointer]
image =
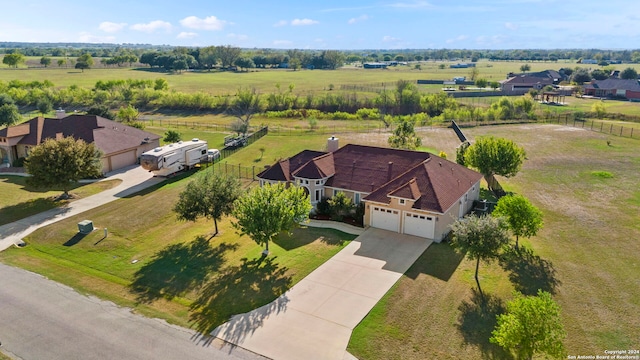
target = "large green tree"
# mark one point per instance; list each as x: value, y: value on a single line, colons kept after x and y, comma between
x: 14, y: 59
x: 495, y: 156
x: 629, y: 73
x: 45, y: 61
x: 522, y: 217
x: 62, y: 163
x: 208, y: 57
x: 480, y: 238
x: 404, y: 136
x: 84, y: 61
x: 266, y: 211
x: 246, y: 104
x: 210, y: 195
x: 9, y: 113
x: 172, y: 136
x: 227, y: 54
x: 532, y: 325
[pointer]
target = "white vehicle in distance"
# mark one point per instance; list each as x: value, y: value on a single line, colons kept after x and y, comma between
x: 213, y: 155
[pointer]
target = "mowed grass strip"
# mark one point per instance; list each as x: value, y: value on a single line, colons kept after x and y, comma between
x: 169, y: 269
x: 587, y: 251
x: 20, y: 200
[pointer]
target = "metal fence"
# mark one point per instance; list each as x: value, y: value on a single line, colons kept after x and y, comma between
x: 228, y: 150
x: 240, y: 171
x: 594, y: 125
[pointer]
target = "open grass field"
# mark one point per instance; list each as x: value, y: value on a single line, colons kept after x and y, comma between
x: 264, y: 80
x: 20, y: 200
x: 587, y: 253
x: 169, y: 269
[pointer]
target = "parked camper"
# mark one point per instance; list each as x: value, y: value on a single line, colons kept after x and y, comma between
x: 169, y: 159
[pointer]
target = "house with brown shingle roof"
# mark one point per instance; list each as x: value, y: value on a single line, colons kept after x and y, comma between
x: 409, y: 192
x: 121, y: 145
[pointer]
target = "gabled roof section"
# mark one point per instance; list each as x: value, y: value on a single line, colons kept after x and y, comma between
x: 281, y: 171
x: 409, y: 190
x: 614, y: 84
x: 365, y: 168
x: 318, y: 168
x: 440, y: 183
x: 528, y: 80
x: 15, y: 131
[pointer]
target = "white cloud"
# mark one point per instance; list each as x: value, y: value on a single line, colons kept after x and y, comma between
x: 208, y: 23
x: 186, y: 35
x: 456, y: 39
x: 281, y: 23
x: 511, y: 26
x: 411, y: 5
x: 303, y: 22
x: 358, y: 19
x: 239, y: 37
x: 388, y: 38
x: 282, y: 42
x: 111, y: 27
x: 152, y: 26
x: 86, y: 37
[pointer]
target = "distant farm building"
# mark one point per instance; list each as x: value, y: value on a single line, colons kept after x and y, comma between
x: 614, y: 87
x: 374, y: 65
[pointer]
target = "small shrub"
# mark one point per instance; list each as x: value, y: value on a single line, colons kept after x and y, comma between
x: 323, y: 207
x: 18, y: 163
x: 442, y: 154
x: 602, y: 174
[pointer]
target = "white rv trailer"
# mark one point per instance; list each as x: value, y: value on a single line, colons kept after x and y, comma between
x: 169, y: 159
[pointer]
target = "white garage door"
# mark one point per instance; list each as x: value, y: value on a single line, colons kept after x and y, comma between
x: 122, y: 160
x: 419, y: 225
x: 386, y: 219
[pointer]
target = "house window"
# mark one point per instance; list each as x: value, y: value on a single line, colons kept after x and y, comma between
x: 306, y: 182
x: 318, y: 194
x: 357, y: 198
x: 402, y: 201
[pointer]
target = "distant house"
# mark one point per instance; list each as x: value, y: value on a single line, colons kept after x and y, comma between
x: 522, y: 84
x: 408, y: 192
x: 613, y: 87
x: 120, y: 144
x: 374, y: 65
x: 588, y: 61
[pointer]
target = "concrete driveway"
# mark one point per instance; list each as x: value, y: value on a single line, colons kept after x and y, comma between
x: 315, y: 318
x: 133, y: 178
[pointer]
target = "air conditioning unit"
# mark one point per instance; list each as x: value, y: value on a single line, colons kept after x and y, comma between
x: 85, y: 226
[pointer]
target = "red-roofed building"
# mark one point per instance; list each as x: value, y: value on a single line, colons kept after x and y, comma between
x: 120, y: 144
x: 409, y: 192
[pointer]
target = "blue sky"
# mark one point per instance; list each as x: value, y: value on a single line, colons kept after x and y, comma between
x: 393, y: 24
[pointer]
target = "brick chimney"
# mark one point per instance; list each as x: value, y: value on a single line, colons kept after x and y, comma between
x: 59, y: 136
x: 332, y: 144
x: 389, y: 170
x: 60, y: 114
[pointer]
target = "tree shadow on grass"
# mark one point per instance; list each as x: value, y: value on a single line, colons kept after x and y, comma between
x: 439, y: 261
x: 254, y: 284
x: 177, y: 269
x: 529, y: 272
x: 306, y: 235
x: 478, y: 318
x: 25, y: 209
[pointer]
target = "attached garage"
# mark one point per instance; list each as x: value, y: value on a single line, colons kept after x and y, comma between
x: 419, y: 225
x: 121, y: 160
x: 387, y: 219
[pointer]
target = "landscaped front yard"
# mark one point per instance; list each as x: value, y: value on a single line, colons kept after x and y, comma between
x: 159, y: 266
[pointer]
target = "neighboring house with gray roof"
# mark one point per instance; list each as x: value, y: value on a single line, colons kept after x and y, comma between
x: 409, y: 192
x: 120, y: 144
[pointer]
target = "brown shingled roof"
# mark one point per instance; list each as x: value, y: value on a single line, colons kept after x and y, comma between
x: 440, y: 182
x: 282, y: 170
x: 409, y: 190
x: 108, y: 136
x: 318, y: 168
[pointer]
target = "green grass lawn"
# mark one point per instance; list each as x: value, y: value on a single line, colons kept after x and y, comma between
x: 20, y: 200
x: 586, y: 252
x: 169, y: 269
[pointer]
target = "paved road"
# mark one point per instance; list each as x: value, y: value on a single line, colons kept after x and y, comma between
x: 133, y: 179
x: 41, y: 319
